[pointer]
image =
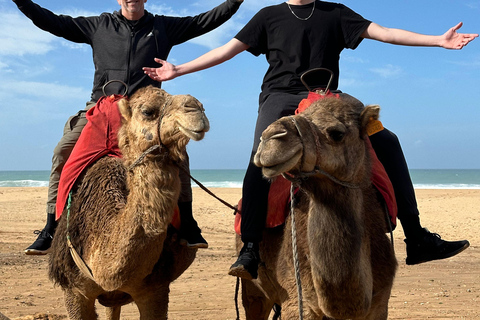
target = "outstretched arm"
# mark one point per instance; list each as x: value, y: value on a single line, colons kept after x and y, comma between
x: 212, y: 58
x: 449, y: 40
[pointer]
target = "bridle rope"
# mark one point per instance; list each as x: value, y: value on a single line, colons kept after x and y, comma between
x: 299, y: 177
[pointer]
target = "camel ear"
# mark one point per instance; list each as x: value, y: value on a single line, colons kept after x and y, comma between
x: 369, y: 113
x: 124, y: 108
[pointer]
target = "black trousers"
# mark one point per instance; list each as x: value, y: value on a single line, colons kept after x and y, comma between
x: 255, y: 187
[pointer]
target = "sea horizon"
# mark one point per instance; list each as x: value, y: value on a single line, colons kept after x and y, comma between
x: 233, y: 178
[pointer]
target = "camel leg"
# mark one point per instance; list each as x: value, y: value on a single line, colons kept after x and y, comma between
x: 379, y: 308
x: 153, y: 303
x: 79, y: 307
x: 113, y: 313
x: 257, y: 306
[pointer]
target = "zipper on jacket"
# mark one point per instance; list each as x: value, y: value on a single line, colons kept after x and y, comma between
x: 130, y: 48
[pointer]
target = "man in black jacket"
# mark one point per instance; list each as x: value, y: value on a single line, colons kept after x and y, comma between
x: 122, y: 42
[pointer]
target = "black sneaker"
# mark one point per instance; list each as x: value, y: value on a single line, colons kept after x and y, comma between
x: 432, y: 247
x: 194, y: 240
x: 246, y: 266
x: 42, y: 245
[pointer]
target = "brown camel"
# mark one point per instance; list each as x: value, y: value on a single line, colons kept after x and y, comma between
x: 346, y: 261
x: 120, y: 214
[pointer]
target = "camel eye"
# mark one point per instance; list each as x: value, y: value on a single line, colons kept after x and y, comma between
x: 148, y: 112
x: 336, y: 135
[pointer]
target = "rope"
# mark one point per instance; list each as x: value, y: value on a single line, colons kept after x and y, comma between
x: 208, y: 191
x: 237, y: 287
x: 143, y: 155
x: 303, y: 175
x: 295, y: 254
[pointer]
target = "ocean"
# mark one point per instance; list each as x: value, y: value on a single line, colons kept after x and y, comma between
x: 221, y: 178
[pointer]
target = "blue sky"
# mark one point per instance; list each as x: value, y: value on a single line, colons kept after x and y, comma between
x: 430, y: 97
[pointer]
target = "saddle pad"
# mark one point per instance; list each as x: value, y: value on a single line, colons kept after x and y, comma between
x: 98, y: 139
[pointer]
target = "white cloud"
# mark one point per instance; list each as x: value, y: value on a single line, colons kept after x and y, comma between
x: 255, y: 6
x: 42, y: 90
x: 75, y: 12
x: 389, y: 71
x: 353, y: 59
x: 4, y: 66
x: 210, y: 40
x: 219, y: 36
x: 19, y: 36
x: 74, y: 45
x: 473, y: 5
x: 474, y: 62
x: 163, y: 9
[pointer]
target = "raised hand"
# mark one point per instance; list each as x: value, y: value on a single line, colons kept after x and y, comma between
x: 164, y: 73
x: 454, y: 40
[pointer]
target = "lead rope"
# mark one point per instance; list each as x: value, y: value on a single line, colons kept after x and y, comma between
x: 295, y: 253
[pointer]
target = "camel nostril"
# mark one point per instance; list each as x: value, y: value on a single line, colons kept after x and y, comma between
x: 278, y: 135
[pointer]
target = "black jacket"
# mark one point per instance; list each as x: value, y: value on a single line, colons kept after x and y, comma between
x: 121, y: 48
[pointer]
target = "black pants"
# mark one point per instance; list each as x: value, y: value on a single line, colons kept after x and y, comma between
x: 255, y: 187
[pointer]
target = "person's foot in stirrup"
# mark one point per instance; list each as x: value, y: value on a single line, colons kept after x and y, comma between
x: 193, y: 239
x: 431, y: 247
x: 42, y: 245
x: 246, y: 266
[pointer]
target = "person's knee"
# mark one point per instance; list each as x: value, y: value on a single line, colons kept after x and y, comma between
x: 385, y: 139
x: 61, y: 153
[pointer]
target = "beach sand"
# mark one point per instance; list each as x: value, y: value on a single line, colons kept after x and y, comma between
x: 446, y: 289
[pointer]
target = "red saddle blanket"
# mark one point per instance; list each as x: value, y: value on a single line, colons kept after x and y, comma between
x: 279, y: 194
x: 98, y: 139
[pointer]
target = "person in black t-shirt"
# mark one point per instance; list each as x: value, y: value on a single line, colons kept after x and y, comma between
x: 296, y: 36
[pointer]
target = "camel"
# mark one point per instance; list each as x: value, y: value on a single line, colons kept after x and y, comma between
x: 120, y: 214
x: 346, y: 261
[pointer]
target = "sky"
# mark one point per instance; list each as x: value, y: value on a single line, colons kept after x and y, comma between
x: 430, y: 97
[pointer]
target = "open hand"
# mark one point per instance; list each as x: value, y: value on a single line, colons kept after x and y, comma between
x: 454, y: 40
x: 164, y: 73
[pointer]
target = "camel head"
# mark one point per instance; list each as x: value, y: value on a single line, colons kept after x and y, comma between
x: 152, y: 116
x: 329, y: 135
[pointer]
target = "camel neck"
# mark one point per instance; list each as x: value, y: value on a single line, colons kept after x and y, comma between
x: 154, y: 185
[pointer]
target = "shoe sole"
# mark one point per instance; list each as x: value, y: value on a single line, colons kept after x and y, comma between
x: 240, y: 272
x: 35, y: 252
x: 432, y: 258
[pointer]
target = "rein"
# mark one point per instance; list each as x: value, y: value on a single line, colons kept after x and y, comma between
x: 158, y: 146
x: 145, y: 153
x: 295, y: 253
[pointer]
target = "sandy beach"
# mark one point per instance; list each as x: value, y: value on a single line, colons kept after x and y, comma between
x: 446, y: 289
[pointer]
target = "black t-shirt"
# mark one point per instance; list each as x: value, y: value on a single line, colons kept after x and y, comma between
x: 293, y: 46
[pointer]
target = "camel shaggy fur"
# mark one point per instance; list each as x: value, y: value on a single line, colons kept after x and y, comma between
x: 120, y: 215
x: 346, y: 261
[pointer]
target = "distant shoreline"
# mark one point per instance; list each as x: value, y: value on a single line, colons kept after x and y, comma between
x: 233, y: 178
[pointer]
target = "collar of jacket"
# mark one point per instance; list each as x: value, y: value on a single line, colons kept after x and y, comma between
x: 147, y: 18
